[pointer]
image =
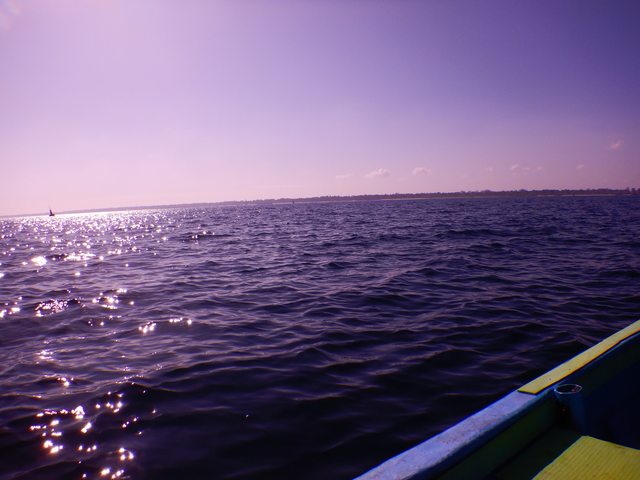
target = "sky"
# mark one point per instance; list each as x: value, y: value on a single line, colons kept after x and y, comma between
x: 122, y: 103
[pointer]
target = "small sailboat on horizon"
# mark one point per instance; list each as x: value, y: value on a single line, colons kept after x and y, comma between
x: 51, y: 214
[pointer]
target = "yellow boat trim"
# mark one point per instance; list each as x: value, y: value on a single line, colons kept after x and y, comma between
x: 544, y: 381
x: 594, y: 459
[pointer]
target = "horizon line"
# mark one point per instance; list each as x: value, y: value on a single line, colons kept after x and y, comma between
x: 361, y: 197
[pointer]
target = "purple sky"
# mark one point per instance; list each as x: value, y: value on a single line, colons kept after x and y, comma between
x: 111, y: 103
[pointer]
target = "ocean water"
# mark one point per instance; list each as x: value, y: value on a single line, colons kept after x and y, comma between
x: 298, y: 341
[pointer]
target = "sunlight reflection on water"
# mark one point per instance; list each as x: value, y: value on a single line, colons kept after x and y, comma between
x: 71, y: 433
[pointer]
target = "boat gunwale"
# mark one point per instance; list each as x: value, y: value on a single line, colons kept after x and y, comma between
x: 580, y: 361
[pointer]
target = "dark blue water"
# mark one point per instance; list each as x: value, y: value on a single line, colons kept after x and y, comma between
x: 291, y: 341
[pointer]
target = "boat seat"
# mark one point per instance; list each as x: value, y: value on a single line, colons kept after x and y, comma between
x: 591, y: 458
x: 563, y: 454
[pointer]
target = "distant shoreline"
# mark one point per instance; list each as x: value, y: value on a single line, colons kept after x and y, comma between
x: 361, y: 198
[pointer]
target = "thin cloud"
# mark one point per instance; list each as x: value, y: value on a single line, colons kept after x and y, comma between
x: 580, y: 167
x: 518, y: 169
x: 344, y: 176
x: 381, y: 172
x: 421, y: 171
x: 616, y: 145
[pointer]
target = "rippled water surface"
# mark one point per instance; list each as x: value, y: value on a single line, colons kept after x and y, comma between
x: 290, y: 341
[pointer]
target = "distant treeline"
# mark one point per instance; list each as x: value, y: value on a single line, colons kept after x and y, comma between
x: 463, y: 194
x: 392, y: 196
